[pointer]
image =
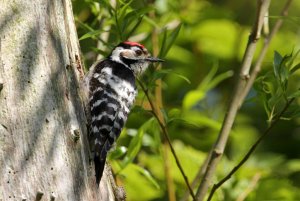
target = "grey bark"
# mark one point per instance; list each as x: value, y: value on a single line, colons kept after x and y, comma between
x: 44, y: 152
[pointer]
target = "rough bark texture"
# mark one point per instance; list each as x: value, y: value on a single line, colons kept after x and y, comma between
x: 41, y: 113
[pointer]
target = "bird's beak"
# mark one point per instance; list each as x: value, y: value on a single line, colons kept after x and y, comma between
x: 154, y: 59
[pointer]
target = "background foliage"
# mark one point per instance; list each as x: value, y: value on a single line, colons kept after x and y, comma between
x: 203, y: 44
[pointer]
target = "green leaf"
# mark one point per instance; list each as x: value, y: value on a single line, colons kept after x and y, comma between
x: 294, y: 95
x: 276, y: 63
x: 122, y: 11
x: 135, y: 144
x: 292, y: 166
x: 182, y: 77
x: 192, y: 97
x: 292, y: 112
x: 133, y: 148
x: 139, y: 186
x: 118, y: 152
x: 151, y: 21
x: 139, y: 13
x: 91, y: 34
x: 134, y: 27
x: 219, y: 78
x: 284, y: 72
x: 159, y: 74
x: 147, y: 175
x: 168, y: 41
x: 209, y: 82
x: 163, y: 44
x: 292, y: 59
x: 207, y: 79
x: 138, y: 109
x: 295, y: 68
x: 200, y: 120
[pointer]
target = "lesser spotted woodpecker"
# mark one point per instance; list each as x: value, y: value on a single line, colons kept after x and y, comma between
x: 112, y: 91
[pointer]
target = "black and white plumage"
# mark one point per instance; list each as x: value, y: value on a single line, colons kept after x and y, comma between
x: 112, y: 91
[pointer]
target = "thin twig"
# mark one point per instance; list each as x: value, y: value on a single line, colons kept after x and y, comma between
x: 165, y: 132
x: 219, y: 146
x: 251, y: 150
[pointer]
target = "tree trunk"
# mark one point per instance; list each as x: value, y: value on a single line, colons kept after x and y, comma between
x: 44, y: 152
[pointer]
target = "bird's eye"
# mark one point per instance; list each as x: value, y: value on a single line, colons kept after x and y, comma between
x: 138, y: 52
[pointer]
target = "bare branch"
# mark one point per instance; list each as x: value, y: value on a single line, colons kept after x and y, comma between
x: 263, y: 6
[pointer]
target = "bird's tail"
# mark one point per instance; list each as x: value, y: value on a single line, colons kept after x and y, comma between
x: 99, y: 168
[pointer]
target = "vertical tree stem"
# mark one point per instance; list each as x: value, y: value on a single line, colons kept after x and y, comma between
x: 220, y: 144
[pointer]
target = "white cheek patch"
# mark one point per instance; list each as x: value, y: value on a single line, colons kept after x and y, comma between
x: 128, y: 54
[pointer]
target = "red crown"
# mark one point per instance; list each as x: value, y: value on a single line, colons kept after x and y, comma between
x: 134, y: 44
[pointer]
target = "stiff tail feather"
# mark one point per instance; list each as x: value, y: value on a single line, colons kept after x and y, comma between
x: 99, y: 168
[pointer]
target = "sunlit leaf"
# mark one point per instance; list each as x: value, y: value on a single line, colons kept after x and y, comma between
x: 293, y: 166
x: 182, y: 77
x: 151, y: 21
x: 207, y: 79
x: 139, y: 184
x: 219, y: 78
x: 133, y: 148
x: 147, y: 175
x: 135, y: 144
x: 118, y: 152
x: 192, y: 97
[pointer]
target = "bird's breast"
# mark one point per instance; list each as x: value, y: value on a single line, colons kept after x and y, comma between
x: 125, y: 91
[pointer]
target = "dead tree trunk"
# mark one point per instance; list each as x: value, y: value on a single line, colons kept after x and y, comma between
x: 44, y: 152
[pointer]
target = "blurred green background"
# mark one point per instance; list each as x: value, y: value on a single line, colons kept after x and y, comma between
x: 203, y: 44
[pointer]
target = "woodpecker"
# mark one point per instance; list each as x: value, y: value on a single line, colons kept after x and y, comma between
x: 111, y: 93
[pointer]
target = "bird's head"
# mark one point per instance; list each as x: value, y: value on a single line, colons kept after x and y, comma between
x: 134, y: 56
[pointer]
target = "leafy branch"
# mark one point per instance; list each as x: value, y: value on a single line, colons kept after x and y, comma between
x: 283, y: 69
x: 251, y: 150
x: 243, y: 85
